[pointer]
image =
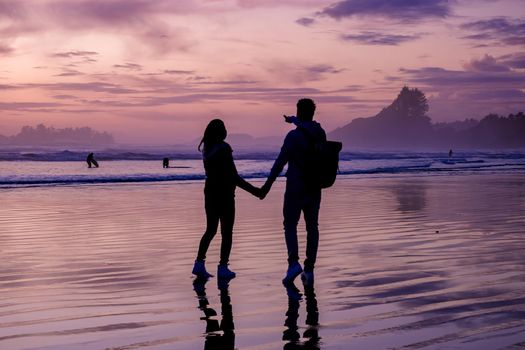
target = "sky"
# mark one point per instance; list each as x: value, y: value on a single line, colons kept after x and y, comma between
x: 156, y: 72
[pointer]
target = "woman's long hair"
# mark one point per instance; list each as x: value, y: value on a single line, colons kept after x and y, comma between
x: 215, y: 132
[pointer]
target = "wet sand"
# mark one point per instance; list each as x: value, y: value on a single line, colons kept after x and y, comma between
x: 433, y: 262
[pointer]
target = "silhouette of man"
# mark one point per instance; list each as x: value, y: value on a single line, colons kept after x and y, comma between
x: 300, y: 195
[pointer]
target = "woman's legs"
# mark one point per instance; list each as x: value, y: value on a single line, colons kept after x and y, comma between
x: 212, y: 223
x: 227, y: 219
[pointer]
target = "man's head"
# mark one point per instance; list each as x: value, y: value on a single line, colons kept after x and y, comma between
x: 305, y: 109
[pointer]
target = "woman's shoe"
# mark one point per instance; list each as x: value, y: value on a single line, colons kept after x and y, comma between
x: 199, y: 270
x: 293, y: 271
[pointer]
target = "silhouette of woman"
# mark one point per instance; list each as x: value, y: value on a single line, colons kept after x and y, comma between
x: 219, y: 196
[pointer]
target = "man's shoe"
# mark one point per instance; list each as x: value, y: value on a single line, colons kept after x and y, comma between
x: 294, y: 270
x: 199, y: 270
x: 224, y: 272
x: 308, y: 278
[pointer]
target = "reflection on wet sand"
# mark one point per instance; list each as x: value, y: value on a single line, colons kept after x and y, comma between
x: 437, y: 264
x: 291, y: 334
x: 219, y: 335
x: 411, y: 197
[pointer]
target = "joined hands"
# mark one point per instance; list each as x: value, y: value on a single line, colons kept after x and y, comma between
x: 261, y: 192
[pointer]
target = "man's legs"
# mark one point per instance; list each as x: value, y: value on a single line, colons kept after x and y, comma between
x: 311, y: 218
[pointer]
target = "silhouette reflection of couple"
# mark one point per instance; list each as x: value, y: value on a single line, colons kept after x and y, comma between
x: 221, y: 335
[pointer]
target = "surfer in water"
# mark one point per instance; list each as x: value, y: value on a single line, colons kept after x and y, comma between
x: 91, y: 161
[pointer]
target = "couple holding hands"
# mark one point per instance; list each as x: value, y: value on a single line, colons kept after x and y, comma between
x: 300, y: 195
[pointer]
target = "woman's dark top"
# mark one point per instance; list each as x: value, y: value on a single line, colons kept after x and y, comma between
x: 221, y: 174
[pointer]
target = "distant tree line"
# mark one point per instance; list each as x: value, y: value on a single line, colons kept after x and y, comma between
x: 45, y: 136
x: 404, y: 124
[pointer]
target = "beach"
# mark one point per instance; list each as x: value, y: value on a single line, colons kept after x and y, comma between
x: 405, y: 261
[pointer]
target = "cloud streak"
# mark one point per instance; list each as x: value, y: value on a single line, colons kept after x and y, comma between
x: 497, y: 29
x: 514, y: 60
x: 305, y: 21
x: 141, y: 22
x: 398, y: 10
x: 485, y: 86
x: 5, y: 49
x: 377, y: 38
x: 69, y: 54
x: 486, y: 64
x: 129, y: 66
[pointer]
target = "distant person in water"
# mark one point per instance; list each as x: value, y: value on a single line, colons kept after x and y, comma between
x: 166, y: 163
x: 450, y: 153
x: 219, y: 196
x: 91, y: 161
x: 300, y: 195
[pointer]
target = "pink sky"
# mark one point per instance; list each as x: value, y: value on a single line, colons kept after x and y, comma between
x: 158, y: 71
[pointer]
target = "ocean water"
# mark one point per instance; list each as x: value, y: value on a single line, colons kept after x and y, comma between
x: 417, y: 251
x: 19, y: 169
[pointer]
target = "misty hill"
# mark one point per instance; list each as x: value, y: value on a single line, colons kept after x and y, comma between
x: 49, y: 136
x: 248, y: 142
x: 404, y: 124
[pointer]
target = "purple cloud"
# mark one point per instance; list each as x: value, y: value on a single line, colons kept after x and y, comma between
x: 515, y: 60
x: 69, y: 73
x: 469, y: 93
x: 294, y: 72
x: 376, y: 38
x: 225, y: 82
x: 274, y: 95
x: 274, y: 3
x: 141, y: 21
x: 64, y: 97
x: 178, y: 71
x: 129, y: 66
x: 5, y: 50
x: 486, y: 64
x: 81, y: 13
x: 498, y: 30
x: 439, y: 77
x: 323, y: 68
x: 11, y: 9
x: 70, y: 54
x: 8, y: 87
x: 27, y: 106
x: 92, y: 86
x: 305, y: 21
x: 399, y: 10
x: 498, y: 95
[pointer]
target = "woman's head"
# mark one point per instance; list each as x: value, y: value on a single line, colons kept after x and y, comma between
x: 215, y: 132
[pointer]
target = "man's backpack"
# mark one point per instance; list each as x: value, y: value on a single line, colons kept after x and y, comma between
x: 323, y: 161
